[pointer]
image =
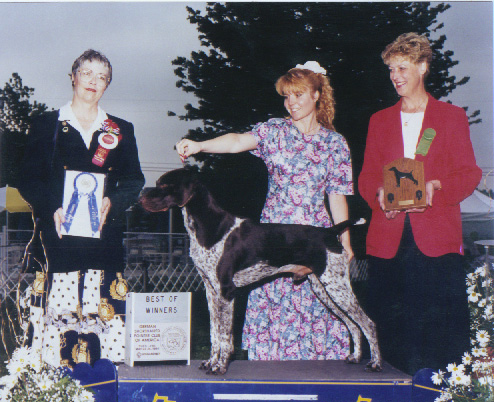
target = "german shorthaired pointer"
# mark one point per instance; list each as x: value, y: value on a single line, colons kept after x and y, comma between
x: 403, y: 175
x: 231, y: 252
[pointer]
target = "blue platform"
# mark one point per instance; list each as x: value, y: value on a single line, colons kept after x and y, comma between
x: 328, y: 381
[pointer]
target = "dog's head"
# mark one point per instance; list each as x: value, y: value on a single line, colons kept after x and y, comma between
x: 174, y: 188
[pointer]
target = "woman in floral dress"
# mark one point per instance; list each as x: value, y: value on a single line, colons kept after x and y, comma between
x: 305, y: 158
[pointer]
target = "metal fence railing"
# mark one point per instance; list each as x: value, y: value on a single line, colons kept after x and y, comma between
x: 154, y: 262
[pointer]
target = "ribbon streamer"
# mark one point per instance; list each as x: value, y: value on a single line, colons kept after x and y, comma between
x: 74, y: 203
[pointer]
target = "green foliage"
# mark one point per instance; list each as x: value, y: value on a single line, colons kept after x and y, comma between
x: 17, y: 111
x: 16, y: 114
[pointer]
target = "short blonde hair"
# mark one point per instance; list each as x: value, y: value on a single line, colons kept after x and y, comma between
x: 299, y: 80
x: 411, y: 46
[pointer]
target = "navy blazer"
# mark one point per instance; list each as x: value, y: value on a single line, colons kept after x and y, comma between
x: 41, y: 185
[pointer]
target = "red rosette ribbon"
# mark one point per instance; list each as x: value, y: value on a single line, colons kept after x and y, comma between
x: 108, y: 140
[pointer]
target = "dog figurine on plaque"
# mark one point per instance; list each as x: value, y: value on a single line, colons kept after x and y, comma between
x: 82, y: 201
x: 404, y: 185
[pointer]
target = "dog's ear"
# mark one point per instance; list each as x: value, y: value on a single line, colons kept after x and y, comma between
x: 174, y: 188
x: 152, y: 199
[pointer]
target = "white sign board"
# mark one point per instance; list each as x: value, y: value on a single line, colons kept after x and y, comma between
x: 157, y: 327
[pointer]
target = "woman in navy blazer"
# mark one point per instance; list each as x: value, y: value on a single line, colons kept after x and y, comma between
x: 417, y: 275
x: 78, y: 299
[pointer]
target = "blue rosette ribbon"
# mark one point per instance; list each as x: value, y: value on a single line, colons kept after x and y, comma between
x: 85, y: 185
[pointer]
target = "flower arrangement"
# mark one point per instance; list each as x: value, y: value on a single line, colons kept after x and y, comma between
x: 31, y: 380
x: 473, y: 380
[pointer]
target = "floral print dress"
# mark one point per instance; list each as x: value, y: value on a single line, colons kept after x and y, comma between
x: 285, y: 321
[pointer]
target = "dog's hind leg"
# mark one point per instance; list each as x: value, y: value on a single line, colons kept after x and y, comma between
x: 225, y: 313
x: 321, y: 292
x: 336, y: 281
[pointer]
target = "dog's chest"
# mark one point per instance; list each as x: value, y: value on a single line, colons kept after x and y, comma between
x: 205, y: 259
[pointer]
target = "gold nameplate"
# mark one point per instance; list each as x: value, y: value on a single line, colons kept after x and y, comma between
x: 404, y: 185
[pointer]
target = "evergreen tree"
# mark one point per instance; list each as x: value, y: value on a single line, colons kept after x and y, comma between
x: 247, y: 46
x: 16, y: 114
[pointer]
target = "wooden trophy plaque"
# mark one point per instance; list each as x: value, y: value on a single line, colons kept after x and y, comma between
x: 404, y: 185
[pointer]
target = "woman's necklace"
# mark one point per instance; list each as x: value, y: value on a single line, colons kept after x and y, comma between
x: 312, y: 130
x: 412, y: 114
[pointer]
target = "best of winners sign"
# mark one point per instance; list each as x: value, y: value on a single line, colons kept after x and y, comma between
x: 157, y: 327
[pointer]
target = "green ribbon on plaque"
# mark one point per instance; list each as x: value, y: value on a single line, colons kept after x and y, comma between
x: 425, y: 142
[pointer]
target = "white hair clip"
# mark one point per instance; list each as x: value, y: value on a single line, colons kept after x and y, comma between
x: 312, y: 66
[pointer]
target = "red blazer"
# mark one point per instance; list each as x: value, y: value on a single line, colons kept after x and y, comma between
x: 450, y: 159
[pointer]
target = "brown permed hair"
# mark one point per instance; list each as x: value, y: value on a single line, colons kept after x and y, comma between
x: 412, y: 46
x: 299, y: 80
x: 90, y: 55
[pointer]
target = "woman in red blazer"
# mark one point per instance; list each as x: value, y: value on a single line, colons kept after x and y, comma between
x: 417, y: 277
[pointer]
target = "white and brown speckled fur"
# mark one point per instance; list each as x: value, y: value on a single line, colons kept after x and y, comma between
x: 209, y: 247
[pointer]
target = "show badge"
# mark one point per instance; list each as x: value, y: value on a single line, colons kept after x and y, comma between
x: 157, y: 327
x: 107, y: 141
x: 82, y: 201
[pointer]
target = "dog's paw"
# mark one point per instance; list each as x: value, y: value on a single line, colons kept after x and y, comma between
x: 216, y: 370
x: 373, y: 367
x: 205, y: 365
x: 352, y: 359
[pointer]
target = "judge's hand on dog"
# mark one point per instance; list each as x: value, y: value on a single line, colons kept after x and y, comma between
x: 430, y: 187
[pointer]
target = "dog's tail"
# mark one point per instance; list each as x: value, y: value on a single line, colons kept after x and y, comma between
x: 331, y: 239
x: 340, y: 227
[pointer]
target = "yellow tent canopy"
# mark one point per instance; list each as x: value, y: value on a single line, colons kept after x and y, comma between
x: 11, y: 200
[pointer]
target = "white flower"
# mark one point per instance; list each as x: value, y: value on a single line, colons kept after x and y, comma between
x: 474, y: 297
x: 22, y: 355
x: 465, y: 380
x: 483, y: 270
x: 471, y: 289
x: 467, y: 359
x: 483, y: 338
x: 454, y: 369
x: 5, y: 394
x: 470, y: 278
x: 478, y: 352
x: 87, y: 396
x: 36, y: 365
x: 459, y: 379
x: 437, y: 378
x: 488, y: 312
x: 15, y: 367
x: 45, y: 384
x: 445, y: 397
x: 476, y: 366
x: 312, y: 66
x: 482, y: 303
x: 483, y: 380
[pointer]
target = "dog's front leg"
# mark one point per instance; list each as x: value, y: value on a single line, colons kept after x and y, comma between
x: 212, y: 296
